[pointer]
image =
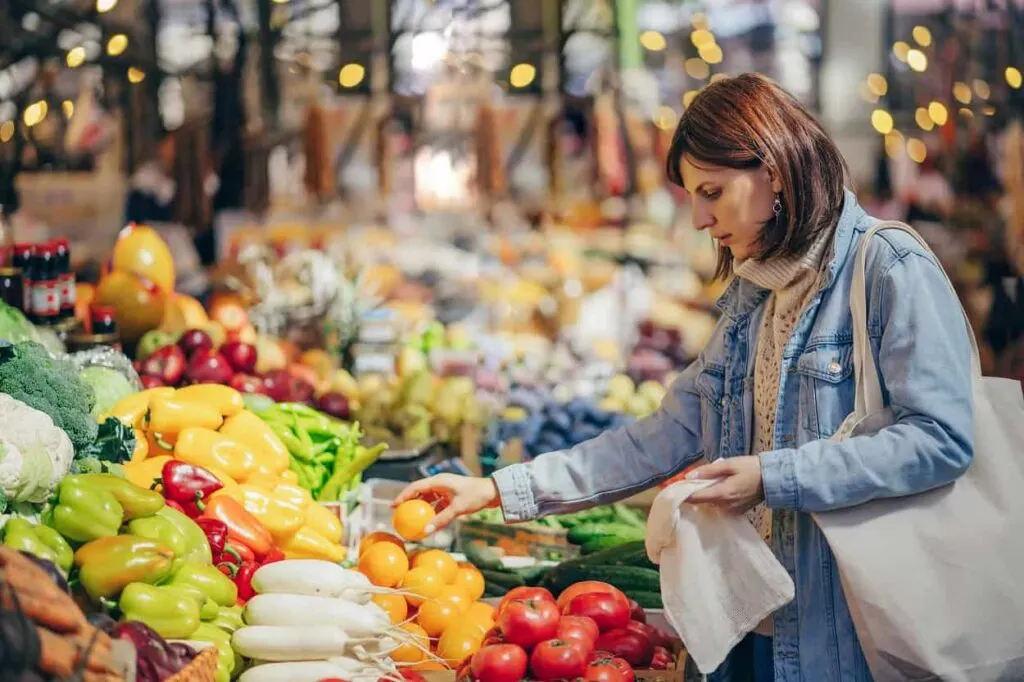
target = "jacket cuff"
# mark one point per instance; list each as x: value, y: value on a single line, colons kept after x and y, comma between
x: 778, y: 475
x: 515, y: 488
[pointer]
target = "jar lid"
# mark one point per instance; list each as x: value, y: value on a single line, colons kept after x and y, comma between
x: 102, y: 311
x: 10, y: 272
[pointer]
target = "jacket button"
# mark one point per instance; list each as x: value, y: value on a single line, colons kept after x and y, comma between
x: 834, y: 367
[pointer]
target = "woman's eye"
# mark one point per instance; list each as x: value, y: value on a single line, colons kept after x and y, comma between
x: 712, y: 193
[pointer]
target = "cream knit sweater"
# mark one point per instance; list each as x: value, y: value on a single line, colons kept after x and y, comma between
x: 793, y: 283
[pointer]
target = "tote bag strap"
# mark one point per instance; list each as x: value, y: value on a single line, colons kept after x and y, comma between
x: 868, y: 387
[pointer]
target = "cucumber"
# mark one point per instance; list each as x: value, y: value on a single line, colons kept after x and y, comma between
x: 482, y: 556
x: 601, y: 542
x: 531, y: 575
x: 626, y: 554
x: 491, y: 590
x: 588, y: 531
x: 506, y: 580
x: 629, y: 516
x: 647, y: 600
x: 629, y: 579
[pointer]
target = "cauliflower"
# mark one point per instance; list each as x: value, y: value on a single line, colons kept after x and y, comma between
x: 34, y: 453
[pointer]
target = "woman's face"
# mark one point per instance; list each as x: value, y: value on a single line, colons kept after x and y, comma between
x: 733, y: 205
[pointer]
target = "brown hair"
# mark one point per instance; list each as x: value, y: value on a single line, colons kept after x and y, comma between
x: 747, y: 122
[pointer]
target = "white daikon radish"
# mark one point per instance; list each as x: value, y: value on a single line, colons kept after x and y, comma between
x: 304, y: 671
x: 271, y: 643
x: 298, y: 610
x: 315, y: 578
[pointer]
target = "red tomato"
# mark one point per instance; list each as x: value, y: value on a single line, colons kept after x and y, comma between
x: 607, y: 610
x: 493, y: 636
x: 635, y: 648
x: 528, y: 621
x: 662, y: 658
x: 603, y: 672
x: 585, y: 587
x: 578, y: 629
x: 524, y: 593
x: 557, y: 660
x: 500, y: 663
x: 656, y: 635
x: 636, y: 612
x: 620, y: 664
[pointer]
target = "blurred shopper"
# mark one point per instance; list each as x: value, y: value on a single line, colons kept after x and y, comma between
x: 777, y: 378
x: 151, y: 188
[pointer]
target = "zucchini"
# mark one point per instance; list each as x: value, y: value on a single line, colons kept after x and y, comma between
x: 506, y: 580
x: 588, y: 531
x: 647, y: 600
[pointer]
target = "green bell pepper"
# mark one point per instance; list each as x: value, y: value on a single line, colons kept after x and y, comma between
x: 107, y: 565
x: 229, y: 619
x: 208, y: 608
x: 207, y: 579
x: 172, y: 612
x: 135, y: 501
x: 84, y: 511
x: 41, y: 541
x: 160, y: 529
x: 207, y: 632
x: 197, y: 547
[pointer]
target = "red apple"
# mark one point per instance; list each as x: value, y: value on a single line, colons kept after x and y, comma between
x: 247, y: 383
x: 241, y: 356
x: 150, y: 381
x: 208, y: 367
x: 276, y: 384
x: 167, y: 364
x: 334, y: 404
x: 194, y: 340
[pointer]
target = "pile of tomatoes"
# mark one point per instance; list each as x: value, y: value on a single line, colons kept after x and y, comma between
x: 592, y: 632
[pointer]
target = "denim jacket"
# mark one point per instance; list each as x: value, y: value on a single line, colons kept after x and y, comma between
x: 922, y: 350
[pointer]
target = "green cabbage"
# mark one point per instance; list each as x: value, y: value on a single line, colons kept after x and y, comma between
x: 109, y: 386
x: 14, y: 326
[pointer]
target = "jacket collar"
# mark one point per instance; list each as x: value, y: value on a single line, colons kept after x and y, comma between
x: 742, y: 297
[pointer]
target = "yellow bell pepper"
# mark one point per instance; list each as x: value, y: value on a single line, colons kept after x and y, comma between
x: 158, y: 443
x: 306, y: 543
x: 263, y: 480
x: 132, y: 409
x: 324, y: 522
x: 278, y: 516
x: 231, y: 487
x: 290, y: 477
x: 170, y: 415
x: 251, y: 431
x: 297, y: 495
x: 142, y: 473
x: 226, y: 400
x: 141, y: 451
x: 206, y: 448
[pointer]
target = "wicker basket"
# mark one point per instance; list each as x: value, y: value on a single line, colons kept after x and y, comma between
x: 203, y: 668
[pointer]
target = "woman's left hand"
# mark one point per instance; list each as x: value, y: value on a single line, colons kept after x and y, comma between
x: 739, y: 487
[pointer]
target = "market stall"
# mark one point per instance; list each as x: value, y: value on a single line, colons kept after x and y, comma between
x: 208, y: 486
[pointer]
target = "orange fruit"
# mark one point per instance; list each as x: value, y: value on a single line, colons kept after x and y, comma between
x: 436, y: 616
x: 414, y: 644
x: 394, y: 605
x: 455, y: 596
x: 421, y: 584
x: 439, y: 560
x: 384, y: 564
x: 424, y: 666
x: 410, y: 519
x: 139, y: 250
x: 470, y: 580
x: 481, y: 612
x: 379, y: 536
x: 459, y: 642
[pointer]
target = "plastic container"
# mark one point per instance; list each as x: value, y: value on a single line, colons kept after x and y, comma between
x: 369, y: 510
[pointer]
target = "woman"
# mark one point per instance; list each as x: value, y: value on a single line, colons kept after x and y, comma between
x: 776, y: 379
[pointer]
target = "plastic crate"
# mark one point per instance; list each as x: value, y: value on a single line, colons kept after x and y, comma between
x: 368, y: 510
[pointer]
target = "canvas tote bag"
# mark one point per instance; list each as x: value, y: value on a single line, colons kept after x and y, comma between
x: 935, y: 581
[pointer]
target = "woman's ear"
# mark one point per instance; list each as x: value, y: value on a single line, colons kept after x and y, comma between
x: 773, y: 178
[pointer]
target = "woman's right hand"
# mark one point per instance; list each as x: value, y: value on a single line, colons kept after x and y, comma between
x: 458, y: 496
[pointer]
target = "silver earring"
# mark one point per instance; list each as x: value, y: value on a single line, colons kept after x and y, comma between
x: 777, y: 206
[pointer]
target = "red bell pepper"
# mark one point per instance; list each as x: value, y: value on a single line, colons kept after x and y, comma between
x: 273, y: 555
x: 237, y: 553
x: 216, y: 534
x: 188, y: 485
x: 243, y: 528
x: 175, y: 506
x: 242, y: 577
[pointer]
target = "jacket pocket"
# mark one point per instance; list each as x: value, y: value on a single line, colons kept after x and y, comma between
x: 711, y: 388
x: 826, y: 388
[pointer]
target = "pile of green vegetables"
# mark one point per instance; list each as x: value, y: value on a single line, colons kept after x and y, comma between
x: 593, y: 529
x: 325, y: 453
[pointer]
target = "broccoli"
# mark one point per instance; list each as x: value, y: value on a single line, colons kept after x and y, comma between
x: 28, y: 373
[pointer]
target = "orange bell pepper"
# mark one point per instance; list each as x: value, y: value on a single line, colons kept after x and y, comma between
x: 171, y: 415
x: 226, y: 400
x: 251, y: 431
x: 209, y: 449
x: 242, y: 526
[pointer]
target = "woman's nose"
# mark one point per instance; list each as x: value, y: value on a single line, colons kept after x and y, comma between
x: 702, y: 219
